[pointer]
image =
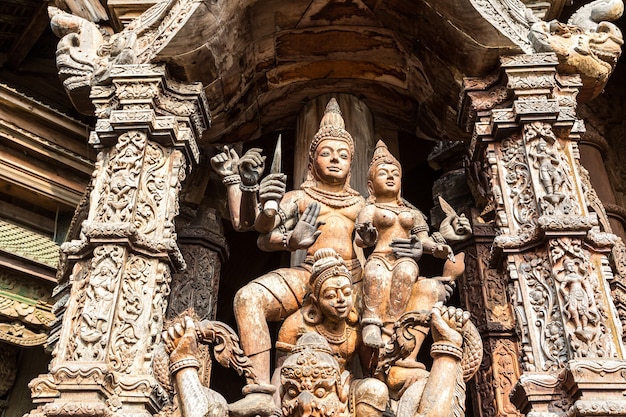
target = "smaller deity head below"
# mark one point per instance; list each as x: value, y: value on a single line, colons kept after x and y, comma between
x: 331, y: 290
x: 384, y: 178
x: 311, y: 381
x: 331, y: 151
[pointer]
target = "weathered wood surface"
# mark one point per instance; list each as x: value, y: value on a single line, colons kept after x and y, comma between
x: 261, y: 60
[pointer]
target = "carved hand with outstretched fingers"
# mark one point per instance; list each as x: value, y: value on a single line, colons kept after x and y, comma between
x: 181, y: 340
x: 307, y: 230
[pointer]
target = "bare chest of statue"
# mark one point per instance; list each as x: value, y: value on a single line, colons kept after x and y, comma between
x: 337, y: 228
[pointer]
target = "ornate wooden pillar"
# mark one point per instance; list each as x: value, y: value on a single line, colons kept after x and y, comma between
x: 113, y: 304
x: 548, y: 268
x: 194, y: 291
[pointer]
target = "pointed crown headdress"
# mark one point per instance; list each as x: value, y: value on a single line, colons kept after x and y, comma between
x: 332, y: 126
x: 382, y: 156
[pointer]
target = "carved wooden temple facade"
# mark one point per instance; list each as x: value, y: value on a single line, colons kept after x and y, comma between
x: 510, y: 111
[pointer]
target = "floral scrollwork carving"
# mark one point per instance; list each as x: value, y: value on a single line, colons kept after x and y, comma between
x: 96, y: 291
x: 518, y: 181
x: 125, y: 333
x: 78, y: 409
x: 535, y: 273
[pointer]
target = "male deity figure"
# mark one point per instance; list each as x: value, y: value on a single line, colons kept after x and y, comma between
x: 319, y: 215
x: 550, y: 171
x: 331, y: 313
x: 579, y: 299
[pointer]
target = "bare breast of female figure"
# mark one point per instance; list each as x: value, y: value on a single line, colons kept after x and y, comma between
x: 390, y: 226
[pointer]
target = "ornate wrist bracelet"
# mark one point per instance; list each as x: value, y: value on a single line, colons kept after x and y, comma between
x: 184, y: 363
x: 285, y: 241
x: 446, y: 349
x: 249, y: 188
x: 283, y: 216
x: 231, y: 179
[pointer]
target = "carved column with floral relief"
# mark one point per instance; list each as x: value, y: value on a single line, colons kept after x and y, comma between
x: 549, y: 251
x: 113, y: 301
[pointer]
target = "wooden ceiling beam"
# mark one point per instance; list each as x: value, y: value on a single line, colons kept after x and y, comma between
x: 10, y: 19
x: 29, y: 37
x: 23, y: 3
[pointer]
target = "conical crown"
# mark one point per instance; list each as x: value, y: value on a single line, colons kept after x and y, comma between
x: 332, y: 126
x: 383, y: 156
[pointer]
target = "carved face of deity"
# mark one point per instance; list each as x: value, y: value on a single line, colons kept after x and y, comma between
x: 570, y: 266
x: 312, y: 396
x: 332, y: 161
x: 311, y: 385
x: 386, y: 181
x: 335, y: 298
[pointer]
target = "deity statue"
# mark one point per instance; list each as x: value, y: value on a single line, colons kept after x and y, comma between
x: 331, y: 314
x: 388, y: 275
x: 579, y: 300
x: 313, y: 383
x: 319, y: 215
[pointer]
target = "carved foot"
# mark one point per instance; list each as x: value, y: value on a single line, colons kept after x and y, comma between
x: 372, y: 336
x: 258, y: 401
x: 554, y: 198
x: 584, y: 335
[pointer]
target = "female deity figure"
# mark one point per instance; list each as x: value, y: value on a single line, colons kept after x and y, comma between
x: 388, y: 277
x: 332, y: 315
